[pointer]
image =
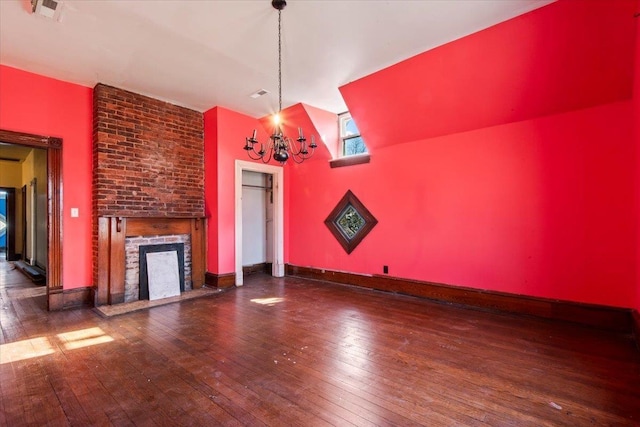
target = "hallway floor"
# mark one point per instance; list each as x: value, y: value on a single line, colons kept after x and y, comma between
x: 18, y: 293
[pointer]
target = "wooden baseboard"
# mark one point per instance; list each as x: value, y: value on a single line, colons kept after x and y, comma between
x: 220, y: 280
x: 78, y: 297
x: 55, y: 300
x: 71, y: 298
x: 636, y: 326
x: 257, y: 268
x: 604, y: 317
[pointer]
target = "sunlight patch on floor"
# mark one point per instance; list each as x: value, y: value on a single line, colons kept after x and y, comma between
x: 25, y: 349
x: 84, y: 338
x: 267, y: 301
x: 43, y: 346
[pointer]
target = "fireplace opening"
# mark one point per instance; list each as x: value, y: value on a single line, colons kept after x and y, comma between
x: 161, y: 272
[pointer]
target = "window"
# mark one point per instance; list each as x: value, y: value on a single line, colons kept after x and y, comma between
x: 352, y: 150
x: 351, y: 143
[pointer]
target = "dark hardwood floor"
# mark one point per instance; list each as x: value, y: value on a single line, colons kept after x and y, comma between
x: 298, y: 352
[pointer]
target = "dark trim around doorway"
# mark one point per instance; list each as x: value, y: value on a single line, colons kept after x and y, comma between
x: 53, y: 145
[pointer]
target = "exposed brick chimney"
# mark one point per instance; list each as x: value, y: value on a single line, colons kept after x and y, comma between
x: 148, y: 156
x: 148, y: 159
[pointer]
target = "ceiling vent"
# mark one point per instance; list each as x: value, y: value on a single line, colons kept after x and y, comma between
x: 259, y: 93
x: 47, y: 8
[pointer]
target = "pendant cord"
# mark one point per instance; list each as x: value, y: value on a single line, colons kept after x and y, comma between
x: 279, y: 147
x: 279, y: 61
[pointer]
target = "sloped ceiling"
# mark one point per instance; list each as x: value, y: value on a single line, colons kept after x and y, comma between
x: 566, y: 56
x: 200, y: 54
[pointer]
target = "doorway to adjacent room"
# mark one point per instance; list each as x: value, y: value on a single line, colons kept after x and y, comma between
x: 259, y: 213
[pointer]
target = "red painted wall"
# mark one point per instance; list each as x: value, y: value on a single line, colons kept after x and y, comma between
x: 540, y: 207
x: 211, y: 187
x: 40, y: 105
x: 503, y: 161
x: 225, y: 132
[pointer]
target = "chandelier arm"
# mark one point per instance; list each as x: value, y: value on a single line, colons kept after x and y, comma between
x: 309, y: 154
x: 253, y: 150
x: 297, y: 157
x: 266, y: 159
x: 288, y: 143
x: 303, y: 157
x: 299, y: 148
x: 267, y: 153
x: 295, y: 150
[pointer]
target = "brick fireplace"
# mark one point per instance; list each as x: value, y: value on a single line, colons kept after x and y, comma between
x: 136, y: 278
x: 113, y: 233
x: 148, y: 183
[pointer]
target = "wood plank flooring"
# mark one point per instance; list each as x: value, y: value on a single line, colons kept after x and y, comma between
x: 305, y: 353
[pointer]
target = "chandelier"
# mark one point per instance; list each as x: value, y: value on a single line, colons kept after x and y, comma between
x: 280, y: 147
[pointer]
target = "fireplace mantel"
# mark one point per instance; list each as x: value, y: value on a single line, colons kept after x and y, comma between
x: 112, y: 231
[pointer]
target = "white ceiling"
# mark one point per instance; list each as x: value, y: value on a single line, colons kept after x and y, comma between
x: 203, y: 53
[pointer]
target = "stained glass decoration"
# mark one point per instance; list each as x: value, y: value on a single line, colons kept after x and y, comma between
x: 350, y: 222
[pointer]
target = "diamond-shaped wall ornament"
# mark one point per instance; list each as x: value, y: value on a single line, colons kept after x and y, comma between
x: 350, y: 222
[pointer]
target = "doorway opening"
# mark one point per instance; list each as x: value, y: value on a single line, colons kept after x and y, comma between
x: 33, y: 165
x: 257, y: 215
x: 259, y: 219
x: 23, y: 209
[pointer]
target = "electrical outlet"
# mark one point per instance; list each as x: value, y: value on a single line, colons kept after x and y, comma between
x: 75, y: 212
x: 385, y: 269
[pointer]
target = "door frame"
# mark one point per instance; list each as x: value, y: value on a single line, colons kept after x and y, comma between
x: 53, y: 146
x: 11, y: 222
x: 277, y: 225
x: 24, y: 221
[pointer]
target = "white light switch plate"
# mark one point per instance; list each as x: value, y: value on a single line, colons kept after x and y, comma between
x: 75, y: 213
